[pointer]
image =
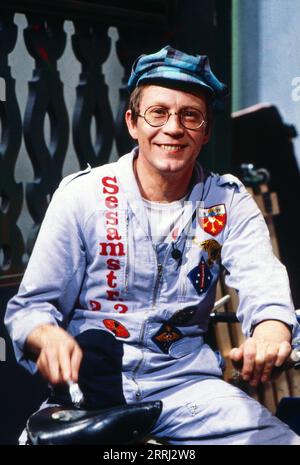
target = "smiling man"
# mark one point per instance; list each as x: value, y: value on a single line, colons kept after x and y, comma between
x: 123, y: 275
x: 170, y: 136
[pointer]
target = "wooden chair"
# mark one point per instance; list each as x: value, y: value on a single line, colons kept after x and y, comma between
x: 229, y: 335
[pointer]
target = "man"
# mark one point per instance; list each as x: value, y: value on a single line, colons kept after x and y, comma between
x: 119, y: 287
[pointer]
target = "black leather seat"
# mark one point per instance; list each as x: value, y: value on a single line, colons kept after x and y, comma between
x: 126, y: 424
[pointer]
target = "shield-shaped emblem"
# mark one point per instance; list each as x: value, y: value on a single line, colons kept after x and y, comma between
x: 200, y: 277
x: 213, y: 219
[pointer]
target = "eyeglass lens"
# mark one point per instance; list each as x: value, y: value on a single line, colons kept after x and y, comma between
x: 191, y: 118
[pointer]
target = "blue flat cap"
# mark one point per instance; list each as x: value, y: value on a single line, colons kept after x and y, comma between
x: 169, y: 65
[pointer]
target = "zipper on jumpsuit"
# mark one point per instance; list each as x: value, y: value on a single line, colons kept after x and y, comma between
x: 127, y: 254
x: 160, y: 268
x: 186, y: 248
x: 157, y: 281
x: 183, y: 272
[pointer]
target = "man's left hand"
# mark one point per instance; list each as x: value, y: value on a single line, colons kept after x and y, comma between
x: 268, y: 347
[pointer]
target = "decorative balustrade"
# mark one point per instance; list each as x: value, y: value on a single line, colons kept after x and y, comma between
x: 70, y: 128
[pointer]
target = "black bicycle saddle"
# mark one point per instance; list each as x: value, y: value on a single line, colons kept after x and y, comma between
x: 126, y: 424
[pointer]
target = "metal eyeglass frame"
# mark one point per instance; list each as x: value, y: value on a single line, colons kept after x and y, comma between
x: 203, y: 122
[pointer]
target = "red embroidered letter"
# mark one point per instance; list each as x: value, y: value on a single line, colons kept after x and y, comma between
x: 110, y: 184
x: 110, y: 279
x: 123, y: 307
x: 113, y: 264
x: 96, y: 306
x: 112, y: 294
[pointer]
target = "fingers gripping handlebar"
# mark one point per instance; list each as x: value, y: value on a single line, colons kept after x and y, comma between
x: 230, y: 317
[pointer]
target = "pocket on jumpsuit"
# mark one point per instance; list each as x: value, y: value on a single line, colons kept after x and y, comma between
x: 208, y: 362
x: 185, y: 346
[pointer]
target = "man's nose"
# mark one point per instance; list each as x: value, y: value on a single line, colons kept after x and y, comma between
x: 173, y: 125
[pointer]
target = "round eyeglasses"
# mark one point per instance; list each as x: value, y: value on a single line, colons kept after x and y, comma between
x: 190, y: 118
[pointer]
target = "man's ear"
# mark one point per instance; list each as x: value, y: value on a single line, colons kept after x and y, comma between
x: 207, y: 134
x: 131, y: 125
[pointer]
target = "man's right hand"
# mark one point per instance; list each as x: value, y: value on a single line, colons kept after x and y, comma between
x: 58, y: 354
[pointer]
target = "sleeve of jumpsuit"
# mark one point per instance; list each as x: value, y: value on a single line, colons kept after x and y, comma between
x: 253, y: 270
x: 53, y: 277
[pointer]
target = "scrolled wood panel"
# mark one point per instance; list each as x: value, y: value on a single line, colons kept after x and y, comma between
x: 45, y: 40
x: 91, y: 46
x: 11, y: 193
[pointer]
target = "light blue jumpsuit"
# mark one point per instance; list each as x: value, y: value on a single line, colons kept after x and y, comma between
x: 94, y: 266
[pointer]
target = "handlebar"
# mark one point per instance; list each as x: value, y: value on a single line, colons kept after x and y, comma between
x: 230, y: 317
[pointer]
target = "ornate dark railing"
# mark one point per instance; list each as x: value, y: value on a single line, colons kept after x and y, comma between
x: 45, y: 41
x: 142, y: 27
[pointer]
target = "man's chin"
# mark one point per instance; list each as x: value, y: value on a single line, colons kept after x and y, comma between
x: 172, y: 166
